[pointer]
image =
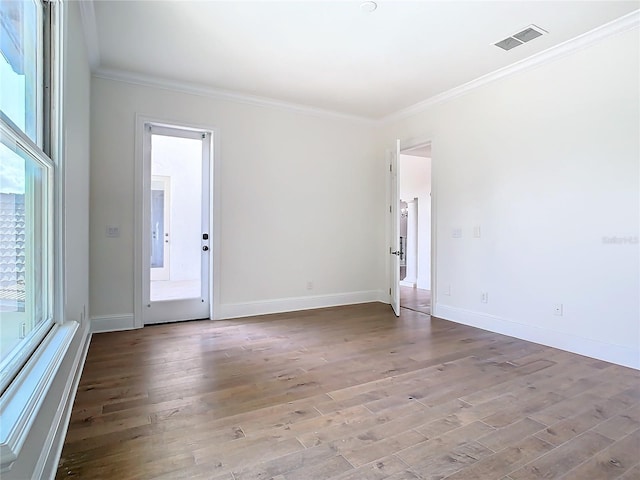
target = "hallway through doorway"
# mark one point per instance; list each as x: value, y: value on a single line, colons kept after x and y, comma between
x: 415, y: 299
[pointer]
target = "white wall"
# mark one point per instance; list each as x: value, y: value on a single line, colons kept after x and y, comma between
x: 415, y: 182
x: 300, y: 201
x: 39, y: 455
x: 546, y: 161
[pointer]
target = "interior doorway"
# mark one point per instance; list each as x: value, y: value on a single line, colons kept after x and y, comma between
x: 415, y: 228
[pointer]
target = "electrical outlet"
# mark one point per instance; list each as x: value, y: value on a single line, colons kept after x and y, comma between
x: 456, y: 232
x: 310, y: 285
x: 484, y: 297
x: 557, y: 309
x: 447, y: 290
x: 476, y: 231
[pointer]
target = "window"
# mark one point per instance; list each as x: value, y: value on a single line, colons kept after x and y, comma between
x: 33, y: 345
x: 26, y: 184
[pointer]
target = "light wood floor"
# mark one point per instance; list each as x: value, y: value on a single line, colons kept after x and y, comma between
x: 349, y: 393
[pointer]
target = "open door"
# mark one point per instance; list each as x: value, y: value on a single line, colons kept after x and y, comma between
x: 394, y: 241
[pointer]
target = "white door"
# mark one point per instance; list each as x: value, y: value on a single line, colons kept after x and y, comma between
x: 176, y: 186
x: 394, y: 241
x: 160, y: 227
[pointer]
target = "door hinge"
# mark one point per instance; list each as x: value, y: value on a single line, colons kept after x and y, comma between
x: 389, y: 291
x: 389, y: 208
x: 391, y: 167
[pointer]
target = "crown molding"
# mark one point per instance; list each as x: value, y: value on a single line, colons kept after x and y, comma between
x: 90, y: 28
x: 620, y: 25
x: 220, y: 94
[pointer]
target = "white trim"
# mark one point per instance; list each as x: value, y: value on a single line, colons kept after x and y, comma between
x: 622, y: 24
x: 405, y: 283
x: 113, y: 323
x: 90, y: 28
x: 220, y: 94
x: 608, y: 352
x: 20, y: 403
x: 58, y: 153
x: 215, y: 225
x: 433, y: 287
x: 279, y: 305
x: 138, y: 200
x: 52, y: 449
x: 383, y: 297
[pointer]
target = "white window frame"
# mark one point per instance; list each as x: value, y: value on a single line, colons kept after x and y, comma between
x: 19, y: 142
x: 22, y: 399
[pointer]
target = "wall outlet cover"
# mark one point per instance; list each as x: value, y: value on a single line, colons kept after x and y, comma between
x: 112, y: 231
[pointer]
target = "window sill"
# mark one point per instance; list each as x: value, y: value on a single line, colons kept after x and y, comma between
x: 20, y: 403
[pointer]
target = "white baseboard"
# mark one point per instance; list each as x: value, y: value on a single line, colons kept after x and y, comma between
x: 112, y: 323
x: 248, y: 309
x: 618, y: 354
x: 48, y: 463
x: 409, y: 284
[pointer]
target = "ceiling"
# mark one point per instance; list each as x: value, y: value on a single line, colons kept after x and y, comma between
x: 326, y: 54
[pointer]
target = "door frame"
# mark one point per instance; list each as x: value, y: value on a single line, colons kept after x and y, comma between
x: 162, y: 311
x: 141, y: 185
x: 408, y: 144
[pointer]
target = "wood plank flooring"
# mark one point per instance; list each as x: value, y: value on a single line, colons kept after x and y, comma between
x: 415, y: 299
x: 347, y: 393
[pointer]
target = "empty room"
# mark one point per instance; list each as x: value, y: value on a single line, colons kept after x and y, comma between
x: 346, y: 240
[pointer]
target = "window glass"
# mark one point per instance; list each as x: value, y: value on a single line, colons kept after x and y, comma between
x: 25, y: 249
x: 26, y: 186
x: 20, y: 71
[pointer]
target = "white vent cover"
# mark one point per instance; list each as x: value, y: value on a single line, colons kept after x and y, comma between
x: 524, y: 36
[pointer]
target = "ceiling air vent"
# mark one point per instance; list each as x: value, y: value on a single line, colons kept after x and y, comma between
x: 524, y: 36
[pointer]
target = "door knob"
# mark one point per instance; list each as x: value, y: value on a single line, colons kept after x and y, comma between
x: 205, y: 248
